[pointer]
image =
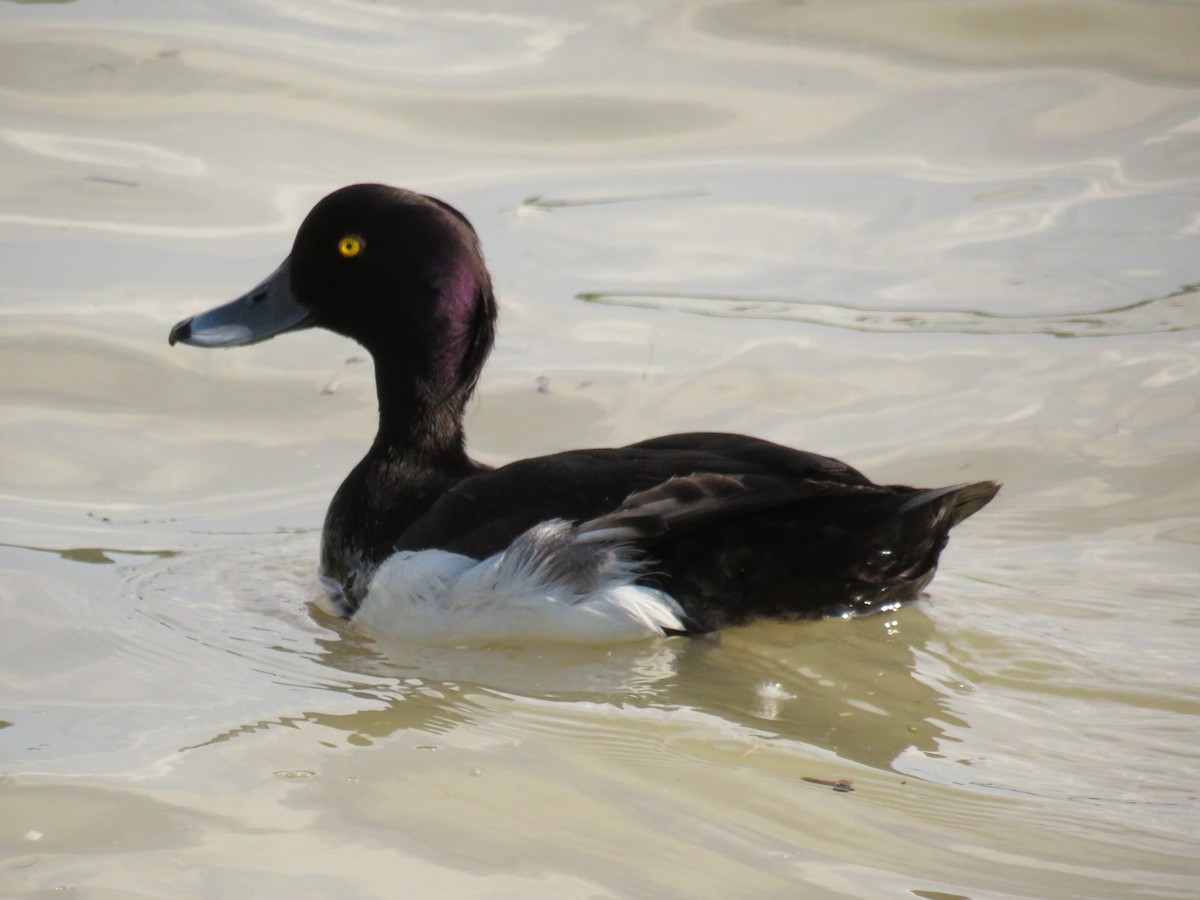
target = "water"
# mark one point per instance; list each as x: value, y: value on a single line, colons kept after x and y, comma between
x: 941, y: 241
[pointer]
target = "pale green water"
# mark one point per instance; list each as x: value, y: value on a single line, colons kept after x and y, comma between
x: 940, y: 240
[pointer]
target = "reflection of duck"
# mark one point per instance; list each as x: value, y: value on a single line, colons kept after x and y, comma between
x: 683, y: 533
x: 855, y: 689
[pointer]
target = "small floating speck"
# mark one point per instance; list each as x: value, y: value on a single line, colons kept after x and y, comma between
x: 546, y: 204
x: 335, y: 381
x: 112, y: 179
x: 841, y: 785
x: 290, y: 774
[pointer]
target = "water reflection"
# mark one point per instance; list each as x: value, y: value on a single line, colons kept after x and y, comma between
x: 856, y: 688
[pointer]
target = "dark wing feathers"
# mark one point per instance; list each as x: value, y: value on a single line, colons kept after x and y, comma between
x: 683, y: 503
x: 483, y: 513
x: 733, y: 527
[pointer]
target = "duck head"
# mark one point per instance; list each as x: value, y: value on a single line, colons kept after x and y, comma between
x: 400, y: 273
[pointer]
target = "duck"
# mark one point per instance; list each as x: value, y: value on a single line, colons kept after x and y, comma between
x: 682, y: 534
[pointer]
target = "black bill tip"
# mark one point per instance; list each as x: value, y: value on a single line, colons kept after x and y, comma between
x: 181, y: 332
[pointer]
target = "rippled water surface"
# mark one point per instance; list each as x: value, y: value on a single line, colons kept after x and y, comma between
x: 941, y: 240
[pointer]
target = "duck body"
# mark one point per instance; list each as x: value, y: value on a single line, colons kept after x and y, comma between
x: 682, y: 533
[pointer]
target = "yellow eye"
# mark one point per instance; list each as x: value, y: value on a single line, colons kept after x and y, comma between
x: 350, y: 245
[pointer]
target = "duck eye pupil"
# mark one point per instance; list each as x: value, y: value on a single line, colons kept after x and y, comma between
x: 350, y: 245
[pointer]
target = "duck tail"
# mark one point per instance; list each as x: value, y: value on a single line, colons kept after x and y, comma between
x: 956, y: 502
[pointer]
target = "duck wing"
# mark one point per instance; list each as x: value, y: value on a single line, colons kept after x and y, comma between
x: 733, y: 549
x: 485, y: 512
x: 732, y: 527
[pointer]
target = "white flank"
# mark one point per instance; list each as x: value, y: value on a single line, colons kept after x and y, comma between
x: 522, y: 593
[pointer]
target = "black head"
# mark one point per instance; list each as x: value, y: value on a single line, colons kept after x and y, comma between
x: 399, y: 272
x: 386, y: 266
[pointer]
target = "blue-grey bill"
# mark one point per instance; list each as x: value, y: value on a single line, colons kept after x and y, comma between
x: 262, y: 313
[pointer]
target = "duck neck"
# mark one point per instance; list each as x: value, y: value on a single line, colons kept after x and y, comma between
x: 420, y: 420
x: 417, y: 456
